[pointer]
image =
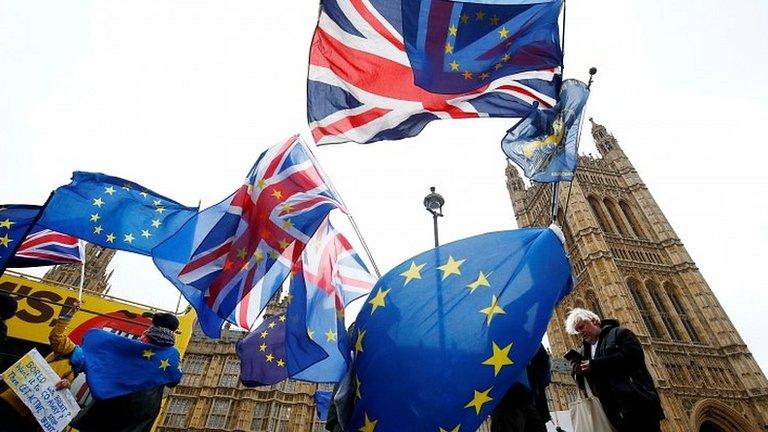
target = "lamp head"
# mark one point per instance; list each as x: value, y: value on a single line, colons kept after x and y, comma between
x: 434, y: 202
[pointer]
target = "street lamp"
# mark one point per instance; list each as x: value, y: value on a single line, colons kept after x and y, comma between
x: 434, y: 204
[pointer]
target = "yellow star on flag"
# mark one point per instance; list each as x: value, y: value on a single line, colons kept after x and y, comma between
x: 126, y: 186
x: 506, y: 57
x: 128, y: 238
x: 143, y: 194
x: 484, y: 75
x: 264, y: 334
x: 311, y: 333
x: 359, y: 341
x: 277, y: 194
x: 164, y: 364
x: 288, y: 298
x: 282, y: 318
x: 448, y: 48
x: 260, y: 183
x: 5, y: 240
x: 109, y: 190
x: 269, y: 357
x: 111, y: 238
x: 357, y: 388
x: 452, y: 30
x: 494, y: 20
x: 479, y: 399
x: 378, y: 300
x: 98, y: 202
x: 479, y: 15
x: 6, y: 223
x: 467, y: 75
x: 272, y: 325
x: 369, y: 424
x: 451, y: 267
x: 273, y: 254
x: 464, y: 18
x: 156, y: 223
x: 263, y: 347
x: 285, y: 208
x: 455, y: 429
x: 146, y: 234
x: 156, y: 202
x: 414, y: 272
x: 499, y: 358
x: 503, y: 33
x: 242, y: 253
x: 284, y: 244
x: 258, y: 256
x: 492, y: 310
x: 148, y: 353
x: 481, y: 280
x: 280, y: 362
x: 98, y: 229
x: 287, y: 224
x: 330, y: 335
x: 454, y: 65
x: 160, y: 210
x: 95, y: 217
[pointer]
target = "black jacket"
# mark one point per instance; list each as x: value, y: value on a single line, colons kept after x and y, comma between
x: 619, y: 376
x: 135, y: 412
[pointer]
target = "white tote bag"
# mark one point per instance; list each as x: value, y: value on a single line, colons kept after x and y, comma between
x: 587, y: 414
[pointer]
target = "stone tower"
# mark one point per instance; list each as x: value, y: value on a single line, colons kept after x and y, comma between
x: 630, y: 265
x: 96, y: 276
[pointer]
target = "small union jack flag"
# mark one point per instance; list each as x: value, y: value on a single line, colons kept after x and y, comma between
x: 383, y: 69
x: 249, y: 240
x: 44, y: 247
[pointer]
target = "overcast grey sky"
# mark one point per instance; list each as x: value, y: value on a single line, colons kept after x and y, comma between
x: 182, y: 95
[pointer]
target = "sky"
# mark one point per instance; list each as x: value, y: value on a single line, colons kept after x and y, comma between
x: 181, y: 96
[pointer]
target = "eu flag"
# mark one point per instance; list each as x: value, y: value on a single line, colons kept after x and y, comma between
x: 113, y: 213
x: 116, y: 365
x: 263, y: 356
x: 444, y: 334
x: 545, y: 143
x: 456, y: 47
x: 15, y: 222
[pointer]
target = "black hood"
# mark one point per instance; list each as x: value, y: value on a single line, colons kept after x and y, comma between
x: 608, y: 324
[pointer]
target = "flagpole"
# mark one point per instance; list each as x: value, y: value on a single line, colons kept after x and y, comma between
x: 82, y: 280
x: 348, y: 212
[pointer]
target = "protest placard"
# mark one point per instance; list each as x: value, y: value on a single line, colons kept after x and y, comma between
x: 33, y: 380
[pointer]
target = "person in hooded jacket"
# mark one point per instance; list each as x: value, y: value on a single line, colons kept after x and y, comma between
x: 134, y: 412
x: 612, y: 364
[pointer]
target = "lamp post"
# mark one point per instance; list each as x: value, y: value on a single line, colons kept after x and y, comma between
x: 434, y: 204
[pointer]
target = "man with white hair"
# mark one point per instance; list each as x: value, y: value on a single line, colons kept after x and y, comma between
x: 613, y: 364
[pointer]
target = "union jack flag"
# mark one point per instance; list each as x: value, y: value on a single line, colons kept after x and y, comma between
x: 44, y: 247
x: 329, y: 276
x: 383, y: 69
x: 248, y: 240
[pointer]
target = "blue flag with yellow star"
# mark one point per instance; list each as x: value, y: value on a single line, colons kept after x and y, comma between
x: 113, y: 213
x: 456, y: 47
x: 116, y: 365
x: 444, y: 334
x: 545, y: 143
x: 264, y: 359
x: 15, y: 222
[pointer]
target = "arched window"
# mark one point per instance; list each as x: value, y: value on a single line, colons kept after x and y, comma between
x: 671, y: 291
x: 597, y: 210
x: 666, y: 318
x: 616, y: 217
x: 593, y: 304
x: 642, y: 307
x: 633, y: 222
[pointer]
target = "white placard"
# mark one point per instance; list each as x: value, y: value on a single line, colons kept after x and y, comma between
x: 33, y: 380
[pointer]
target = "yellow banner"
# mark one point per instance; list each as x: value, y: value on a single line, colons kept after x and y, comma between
x: 40, y: 302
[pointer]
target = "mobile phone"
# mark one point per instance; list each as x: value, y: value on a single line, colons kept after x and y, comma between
x: 573, y: 355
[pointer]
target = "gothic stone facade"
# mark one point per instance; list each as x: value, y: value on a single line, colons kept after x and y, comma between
x: 210, y: 397
x: 96, y: 276
x: 630, y: 265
